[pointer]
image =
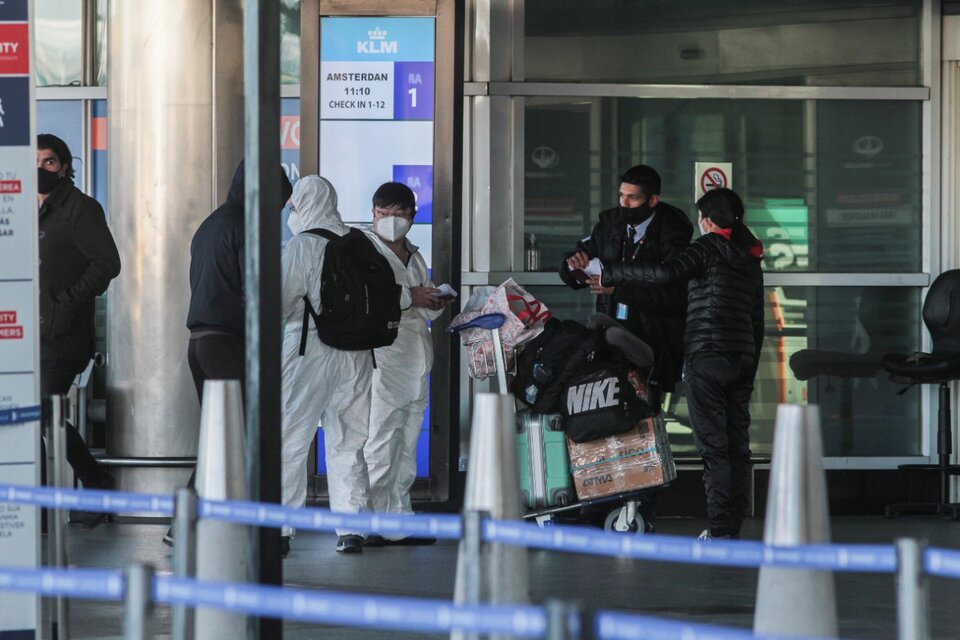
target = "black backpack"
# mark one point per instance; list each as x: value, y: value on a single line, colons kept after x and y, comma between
x: 541, y: 364
x: 359, y: 295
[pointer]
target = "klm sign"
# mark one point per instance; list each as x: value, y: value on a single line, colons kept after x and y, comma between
x: 377, y: 42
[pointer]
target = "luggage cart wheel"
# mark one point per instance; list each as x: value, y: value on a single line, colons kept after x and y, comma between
x: 619, y: 520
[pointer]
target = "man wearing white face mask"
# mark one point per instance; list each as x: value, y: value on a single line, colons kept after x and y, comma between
x: 319, y: 384
x: 399, y: 389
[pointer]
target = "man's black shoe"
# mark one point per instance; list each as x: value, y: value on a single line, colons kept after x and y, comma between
x: 374, y: 540
x: 350, y: 543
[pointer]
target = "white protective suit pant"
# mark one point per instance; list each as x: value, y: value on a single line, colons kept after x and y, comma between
x: 330, y: 387
x: 397, y: 404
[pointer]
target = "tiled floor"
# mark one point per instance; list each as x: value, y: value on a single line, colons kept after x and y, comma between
x: 718, y: 595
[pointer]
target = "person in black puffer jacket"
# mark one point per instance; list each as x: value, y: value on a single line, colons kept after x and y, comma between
x: 722, y: 344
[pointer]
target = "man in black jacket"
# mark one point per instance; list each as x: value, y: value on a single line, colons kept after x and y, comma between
x: 642, y: 230
x: 78, y: 259
x: 216, y: 315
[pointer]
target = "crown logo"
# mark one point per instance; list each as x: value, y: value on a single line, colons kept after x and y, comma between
x: 377, y: 34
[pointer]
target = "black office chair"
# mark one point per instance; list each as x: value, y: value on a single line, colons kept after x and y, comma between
x: 941, y: 315
x: 845, y: 365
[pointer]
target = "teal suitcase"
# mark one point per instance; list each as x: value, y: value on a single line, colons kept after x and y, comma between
x: 545, y: 478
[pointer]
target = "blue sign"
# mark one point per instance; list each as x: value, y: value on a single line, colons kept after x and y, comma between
x: 376, y: 39
x: 13, y: 11
x: 15, y: 112
x: 420, y: 180
x: 413, y: 91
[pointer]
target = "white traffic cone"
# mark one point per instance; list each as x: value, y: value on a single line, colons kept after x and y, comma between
x: 493, y: 487
x: 796, y: 602
x: 222, y: 547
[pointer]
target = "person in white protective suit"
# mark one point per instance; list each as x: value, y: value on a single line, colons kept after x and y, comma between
x: 399, y: 392
x: 324, y: 385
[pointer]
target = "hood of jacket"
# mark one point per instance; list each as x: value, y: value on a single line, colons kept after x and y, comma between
x: 236, y: 195
x: 315, y: 206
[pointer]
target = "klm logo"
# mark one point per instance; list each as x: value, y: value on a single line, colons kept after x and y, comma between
x: 377, y: 43
x: 593, y: 395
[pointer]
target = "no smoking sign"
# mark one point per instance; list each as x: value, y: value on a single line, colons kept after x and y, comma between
x: 712, y: 175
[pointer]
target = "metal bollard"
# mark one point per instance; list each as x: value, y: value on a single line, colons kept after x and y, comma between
x: 913, y: 613
x: 563, y: 621
x: 184, y: 558
x: 138, y: 602
x: 473, y: 543
x: 57, y: 518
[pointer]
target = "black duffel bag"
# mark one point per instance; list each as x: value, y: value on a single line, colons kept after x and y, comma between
x: 605, y: 397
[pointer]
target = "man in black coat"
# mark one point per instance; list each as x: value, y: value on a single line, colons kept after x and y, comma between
x: 78, y: 259
x: 216, y: 316
x: 644, y: 230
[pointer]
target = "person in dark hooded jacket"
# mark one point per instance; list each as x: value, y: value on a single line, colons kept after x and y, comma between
x: 722, y: 344
x: 216, y: 316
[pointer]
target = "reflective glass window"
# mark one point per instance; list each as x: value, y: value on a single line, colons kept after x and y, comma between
x: 822, y: 346
x: 58, y: 42
x: 759, y: 42
x: 100, y: 44
x: 829, y: 185
x: 290, y: 42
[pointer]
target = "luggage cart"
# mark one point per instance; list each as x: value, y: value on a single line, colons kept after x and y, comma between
x: 624, y: 516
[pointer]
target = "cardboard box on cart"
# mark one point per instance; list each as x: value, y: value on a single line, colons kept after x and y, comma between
x: 637, y: 459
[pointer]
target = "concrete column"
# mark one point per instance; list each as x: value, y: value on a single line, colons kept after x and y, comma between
x: 175, y: 131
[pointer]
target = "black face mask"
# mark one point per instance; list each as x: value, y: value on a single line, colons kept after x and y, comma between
x: 46, y: 181
x: 638, y: 214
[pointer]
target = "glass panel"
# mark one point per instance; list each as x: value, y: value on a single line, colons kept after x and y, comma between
x: 58, y: 42
x: 832, y: 186
x: 757, y: 42
x: 290, y: 42
x: 100, y: 44
x: 64, y: 119
x: 823, y: 345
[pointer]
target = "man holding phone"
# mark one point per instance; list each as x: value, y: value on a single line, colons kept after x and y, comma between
x: 643, y: 229
x: 400, y: 389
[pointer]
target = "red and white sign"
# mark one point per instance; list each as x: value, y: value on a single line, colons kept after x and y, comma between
x: 14, y: 332
x: 8, y: 317
x: 10, y: 186
x: 712, y: 175
x: 14, y: 49
x: 713, y: 178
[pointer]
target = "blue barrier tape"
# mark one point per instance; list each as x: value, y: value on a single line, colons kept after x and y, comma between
x: 19, y: 415
x: 611, y: 625
x: 734, y: 553
x: 91, y: 584
x: 87, y: 500
x: 443, y: 526
x: 384, y: 612
x: 942, y: 562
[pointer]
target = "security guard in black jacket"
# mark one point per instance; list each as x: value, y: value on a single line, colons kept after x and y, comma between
x: 642, y: 230
x: 78, y: 259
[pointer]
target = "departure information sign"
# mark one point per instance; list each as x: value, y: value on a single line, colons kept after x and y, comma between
x: 376, y: 126
x: 376, y: 110
x: 19, y: 342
